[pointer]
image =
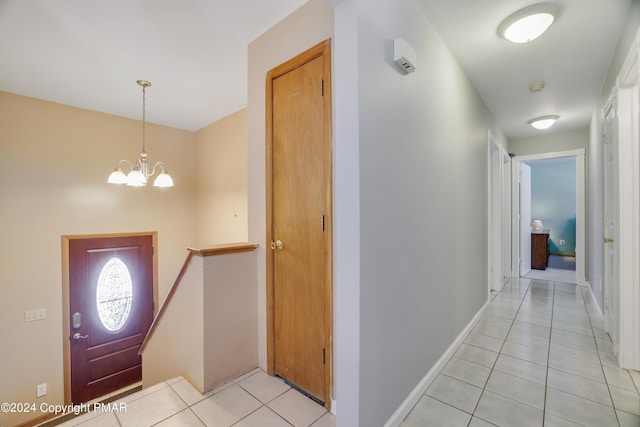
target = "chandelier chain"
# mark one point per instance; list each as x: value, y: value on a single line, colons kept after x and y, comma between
x: 144, y: 87
x: 139, y: 172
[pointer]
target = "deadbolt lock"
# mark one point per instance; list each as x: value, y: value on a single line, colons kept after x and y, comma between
x: 277, y: 244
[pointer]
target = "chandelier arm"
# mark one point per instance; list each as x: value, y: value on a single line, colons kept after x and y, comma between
x: 158, y: 164
x: 127, y: 162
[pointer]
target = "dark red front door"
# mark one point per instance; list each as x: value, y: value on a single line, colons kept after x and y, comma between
x: 111, y: 309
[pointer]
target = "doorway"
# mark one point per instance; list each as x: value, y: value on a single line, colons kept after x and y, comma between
x: 522, y: 220
x: 109, y: 306
x: 499, y: 226
x: 552, y: 206
x: 299, y: 295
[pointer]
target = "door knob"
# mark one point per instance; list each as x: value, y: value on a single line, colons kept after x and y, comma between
x: 277, y: 245
x: 608, y: 240
x: 77, y: 336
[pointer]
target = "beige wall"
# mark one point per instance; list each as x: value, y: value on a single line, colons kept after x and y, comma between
x: 171, y: 351
x: 54, y: 162
x: 216, y: 304
x: 230, y: 320
x: 221, y: 168
x: 304, y: 28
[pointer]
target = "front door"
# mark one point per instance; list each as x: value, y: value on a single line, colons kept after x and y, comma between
x: 110, y: 311
x: 299, y: 220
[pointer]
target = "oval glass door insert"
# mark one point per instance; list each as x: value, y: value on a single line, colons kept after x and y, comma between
x: 114, y: 295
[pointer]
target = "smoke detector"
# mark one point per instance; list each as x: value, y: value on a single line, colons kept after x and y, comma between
x: 536, y: 87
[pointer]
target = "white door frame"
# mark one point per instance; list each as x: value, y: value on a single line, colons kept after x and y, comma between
x: 610, y: 227
x: 498, y: 224
x: 580, y: 209
x: 524, y: 218
x: 506, y: 216
x: 628, y: 234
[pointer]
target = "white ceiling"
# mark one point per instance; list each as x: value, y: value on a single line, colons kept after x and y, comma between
x: 89, y: 54
x: 572, y: 58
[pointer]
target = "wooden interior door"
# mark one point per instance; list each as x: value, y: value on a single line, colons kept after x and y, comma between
x: 299, y: 220
x: 110, y: 311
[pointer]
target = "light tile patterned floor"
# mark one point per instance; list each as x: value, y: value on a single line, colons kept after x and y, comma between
x: 252, y: 400
x: 538, y: 356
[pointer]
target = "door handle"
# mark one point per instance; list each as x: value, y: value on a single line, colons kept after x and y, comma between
x: 608, y: 239
x: 277, y: 245
x: 77, y: 336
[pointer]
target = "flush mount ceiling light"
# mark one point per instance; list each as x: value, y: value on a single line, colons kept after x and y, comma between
x: 544, y: 122
x: 529, y: 23
x: 139, y: 173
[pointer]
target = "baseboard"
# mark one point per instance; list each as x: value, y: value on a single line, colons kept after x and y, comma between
x: 403, y: 410
x: 333, y: 408
x: 594, y: 300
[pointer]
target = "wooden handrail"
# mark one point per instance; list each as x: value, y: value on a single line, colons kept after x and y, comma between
x: 214, y: 250
x: 166, y: 301
x: 225, y: 249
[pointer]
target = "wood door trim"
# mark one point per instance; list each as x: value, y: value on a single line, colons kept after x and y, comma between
x: 66, y: 326
x: 322, y: 49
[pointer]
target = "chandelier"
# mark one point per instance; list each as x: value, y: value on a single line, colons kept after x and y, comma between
x: 139, y: 173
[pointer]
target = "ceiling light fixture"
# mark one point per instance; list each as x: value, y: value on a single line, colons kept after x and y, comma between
x: 138, y: 175
x: 529, y: 23
x: 544, y: 122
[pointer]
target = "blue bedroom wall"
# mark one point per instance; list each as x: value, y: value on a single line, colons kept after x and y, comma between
x: 553, y: 201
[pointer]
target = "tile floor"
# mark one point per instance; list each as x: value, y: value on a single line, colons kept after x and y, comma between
x: 553, y: 274
x: 559, y: 269
x: 252, y: 400
x: 538, y: 357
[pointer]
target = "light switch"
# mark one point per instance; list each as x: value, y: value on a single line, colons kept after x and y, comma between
x: 33, y: 315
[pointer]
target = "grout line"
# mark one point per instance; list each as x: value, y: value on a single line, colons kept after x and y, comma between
x: 615, y: 411
x: 546, y: 378
x: 503, y: 341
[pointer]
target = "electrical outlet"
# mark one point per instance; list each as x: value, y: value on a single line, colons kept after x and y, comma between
x: 33, y: 315
x: 41, y: 390
x: 562, y: 242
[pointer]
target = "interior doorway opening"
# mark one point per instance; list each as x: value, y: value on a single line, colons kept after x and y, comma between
x: 552, y: 216
x: 524, y: 230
